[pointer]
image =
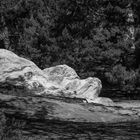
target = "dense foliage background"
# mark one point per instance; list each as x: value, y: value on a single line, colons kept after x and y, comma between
x: 88, y: 35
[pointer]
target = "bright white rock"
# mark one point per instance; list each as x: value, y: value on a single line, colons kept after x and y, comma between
x: 60, y: 80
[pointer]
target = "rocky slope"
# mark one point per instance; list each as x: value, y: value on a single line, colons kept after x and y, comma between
x: 55, y: 94
x: 65, y: 109
x: 59, y: 80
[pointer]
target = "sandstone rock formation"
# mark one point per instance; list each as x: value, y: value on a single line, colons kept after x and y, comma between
x: 55, y: 93
x: 60, y: 80
x: 45, y: 108
x: 67, y: 79
x: 19, y: 71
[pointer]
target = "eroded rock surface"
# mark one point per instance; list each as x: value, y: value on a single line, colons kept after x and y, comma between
x: 51, y: 91
x: 67, y: 79
x: 60, y: 80
x: 35, y: 108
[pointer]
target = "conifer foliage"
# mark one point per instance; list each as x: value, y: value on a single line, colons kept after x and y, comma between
x: 90, y: 36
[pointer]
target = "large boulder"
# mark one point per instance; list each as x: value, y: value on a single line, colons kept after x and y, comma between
x: 18, y: 71
x: 59, y: 80
x: 67, y: 79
